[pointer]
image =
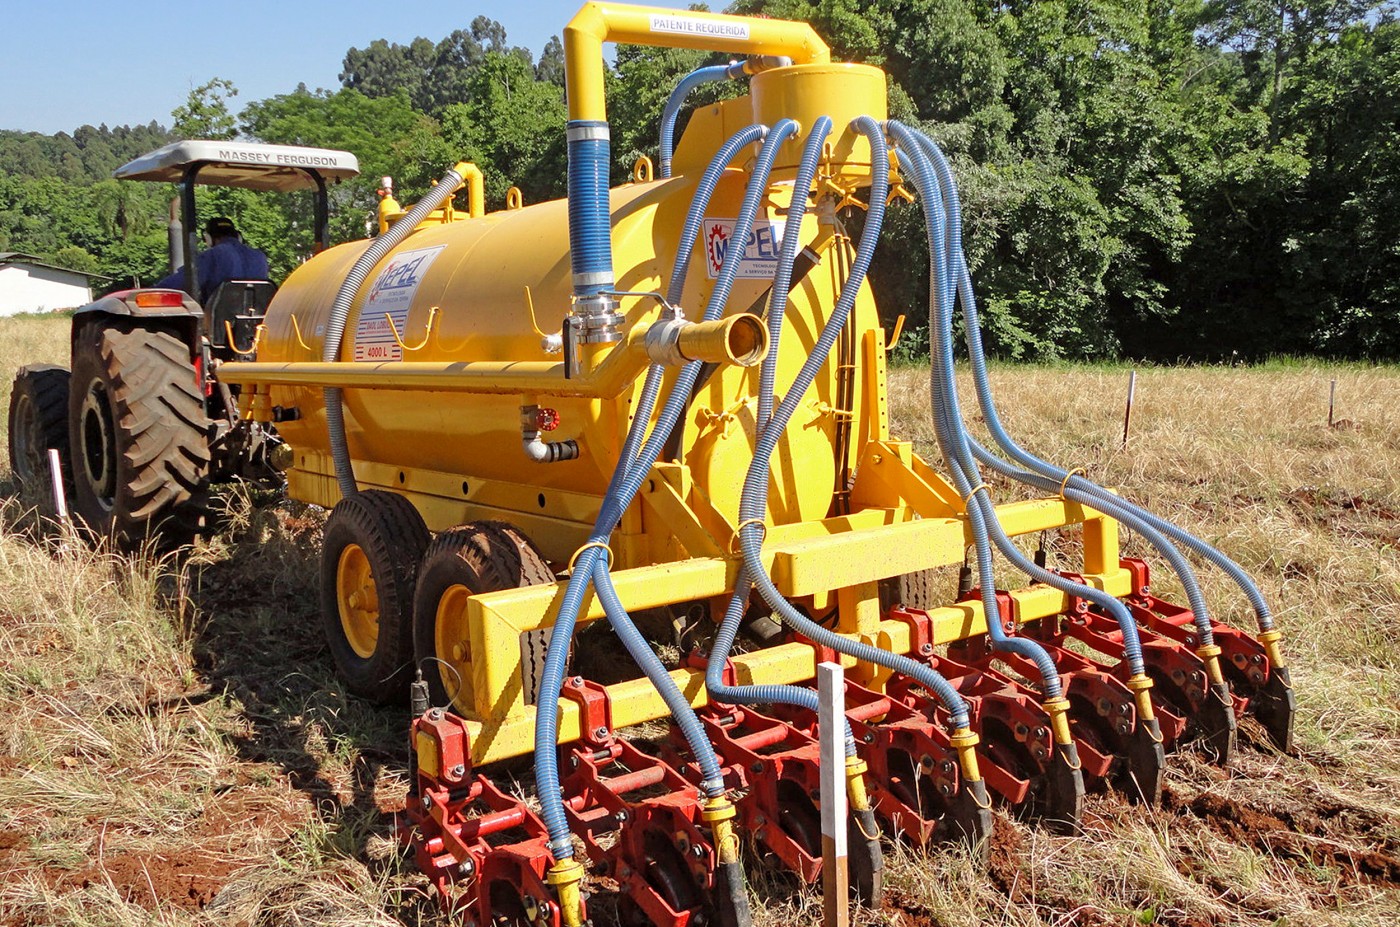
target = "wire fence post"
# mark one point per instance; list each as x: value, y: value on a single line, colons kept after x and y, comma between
x: 831, y: 732
x: 1331, y: 404
x: 1128, y: 409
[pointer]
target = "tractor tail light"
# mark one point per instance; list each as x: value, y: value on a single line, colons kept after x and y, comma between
x: 159, y: 299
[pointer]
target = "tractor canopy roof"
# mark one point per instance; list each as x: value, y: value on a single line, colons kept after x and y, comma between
x: 251, y: 165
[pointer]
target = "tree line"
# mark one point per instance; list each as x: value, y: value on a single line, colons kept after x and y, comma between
x: 1204, y: 179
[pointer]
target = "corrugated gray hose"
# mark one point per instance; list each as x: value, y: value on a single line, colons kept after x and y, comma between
x: 340, y: 311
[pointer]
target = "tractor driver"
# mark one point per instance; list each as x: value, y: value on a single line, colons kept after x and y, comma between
x: 226, y: 258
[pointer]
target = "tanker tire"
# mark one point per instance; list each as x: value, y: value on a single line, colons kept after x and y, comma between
x: 921, y: 590
x: 482, y: 556
x: 38, y: 421
x: 138, y: 436
x: 384, y: 534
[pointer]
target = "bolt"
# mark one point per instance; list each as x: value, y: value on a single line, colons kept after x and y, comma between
x: 1123, y: 727
x: 926, y: 649
x: 1042, y: 732
x: 946, y: 767
x: 1146, y: 590
x: 1124, y: 709
x: 756, y: 768
x: 1257, y: 658
x: 697, y: 851
x: 1041, y: 753
x: 466, y: 867
x: 435, y: 714
x: 576, y: 682
x: 869, y: 737
x: 945, y: 789
x: 926, y: 761
x: 1021, y: 730
x: 599, y: 733
x: 459, y: 771
x: 573, y: 761
x: 427, y: 802
x: 1190, y: 640
x: 621, y: 816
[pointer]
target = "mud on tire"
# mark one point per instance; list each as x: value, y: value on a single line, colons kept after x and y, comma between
x: 138, y: 435
x: 38, y: 421
x: 369, y: 563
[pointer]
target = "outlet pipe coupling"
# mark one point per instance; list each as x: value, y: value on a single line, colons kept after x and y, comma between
x: 736, y: 340
x: 595, y: 319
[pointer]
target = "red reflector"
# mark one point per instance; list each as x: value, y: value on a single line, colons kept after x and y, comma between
x: 154, y: 299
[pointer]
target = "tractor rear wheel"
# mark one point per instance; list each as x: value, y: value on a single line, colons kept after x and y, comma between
x: 369, y: 562
x: 483, y: 556
x: 39, y: 421
x: 138, y: 435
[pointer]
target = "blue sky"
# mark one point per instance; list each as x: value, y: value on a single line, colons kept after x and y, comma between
x: 94, y: 61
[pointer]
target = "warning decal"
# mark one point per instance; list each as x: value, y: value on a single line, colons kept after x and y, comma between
x: 391, y: 293
x: 760, y: 260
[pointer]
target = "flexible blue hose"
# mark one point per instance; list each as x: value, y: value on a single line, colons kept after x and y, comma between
x: 626, y: 481
x: 705, y: 75
x: 733, y: 617
x: 948, y: 423
x: 782, y: 279
x: 977, y: 357
x: 1150, y: 526
x: 590, y: 221
x: 756, y: 481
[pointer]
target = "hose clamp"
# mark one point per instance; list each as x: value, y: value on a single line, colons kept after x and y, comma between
x: 1077, y: 471
x: 588, y: 132
x: 738, y: 531
x: 967, y: 499
x: 601, y: 545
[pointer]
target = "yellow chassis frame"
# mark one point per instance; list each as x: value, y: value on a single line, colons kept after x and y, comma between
x: 920, y: 524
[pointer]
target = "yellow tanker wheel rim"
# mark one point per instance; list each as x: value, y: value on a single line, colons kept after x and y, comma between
x: 451, y: 644
x: 358, y: 600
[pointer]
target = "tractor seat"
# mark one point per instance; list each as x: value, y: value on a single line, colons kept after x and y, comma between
x: 240, y: 305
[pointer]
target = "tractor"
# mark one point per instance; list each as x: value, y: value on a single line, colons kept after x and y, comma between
x: 140, y: 418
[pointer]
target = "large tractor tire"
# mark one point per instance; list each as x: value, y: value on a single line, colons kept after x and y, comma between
x: 138, y: 435
x: 369, y: 562
x: 483, y: 556
x: 39, y: 421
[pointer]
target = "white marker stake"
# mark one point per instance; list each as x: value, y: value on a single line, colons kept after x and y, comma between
x: 831, y: 731
x: 56, y: 475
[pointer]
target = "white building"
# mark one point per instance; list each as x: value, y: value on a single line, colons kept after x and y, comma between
x: 28, y: 284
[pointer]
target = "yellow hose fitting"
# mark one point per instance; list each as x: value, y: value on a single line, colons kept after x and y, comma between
x: 719, y: 813
x: 566, y: 876
x: 1270, y: 641
x: 1058, y: 710
x: 1210, y: 654
x: 965, y: 742
x: 855, y: 783
x: 1140, y: 685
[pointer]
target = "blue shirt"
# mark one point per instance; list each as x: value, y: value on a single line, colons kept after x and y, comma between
x: 229, y: 259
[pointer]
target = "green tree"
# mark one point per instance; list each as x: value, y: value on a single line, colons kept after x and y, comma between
x: 205, y: 112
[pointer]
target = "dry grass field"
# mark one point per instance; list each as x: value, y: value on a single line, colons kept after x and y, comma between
x: 174, y: 749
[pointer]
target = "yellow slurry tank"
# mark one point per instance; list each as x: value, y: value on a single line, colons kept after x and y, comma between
x: 497, y: 289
